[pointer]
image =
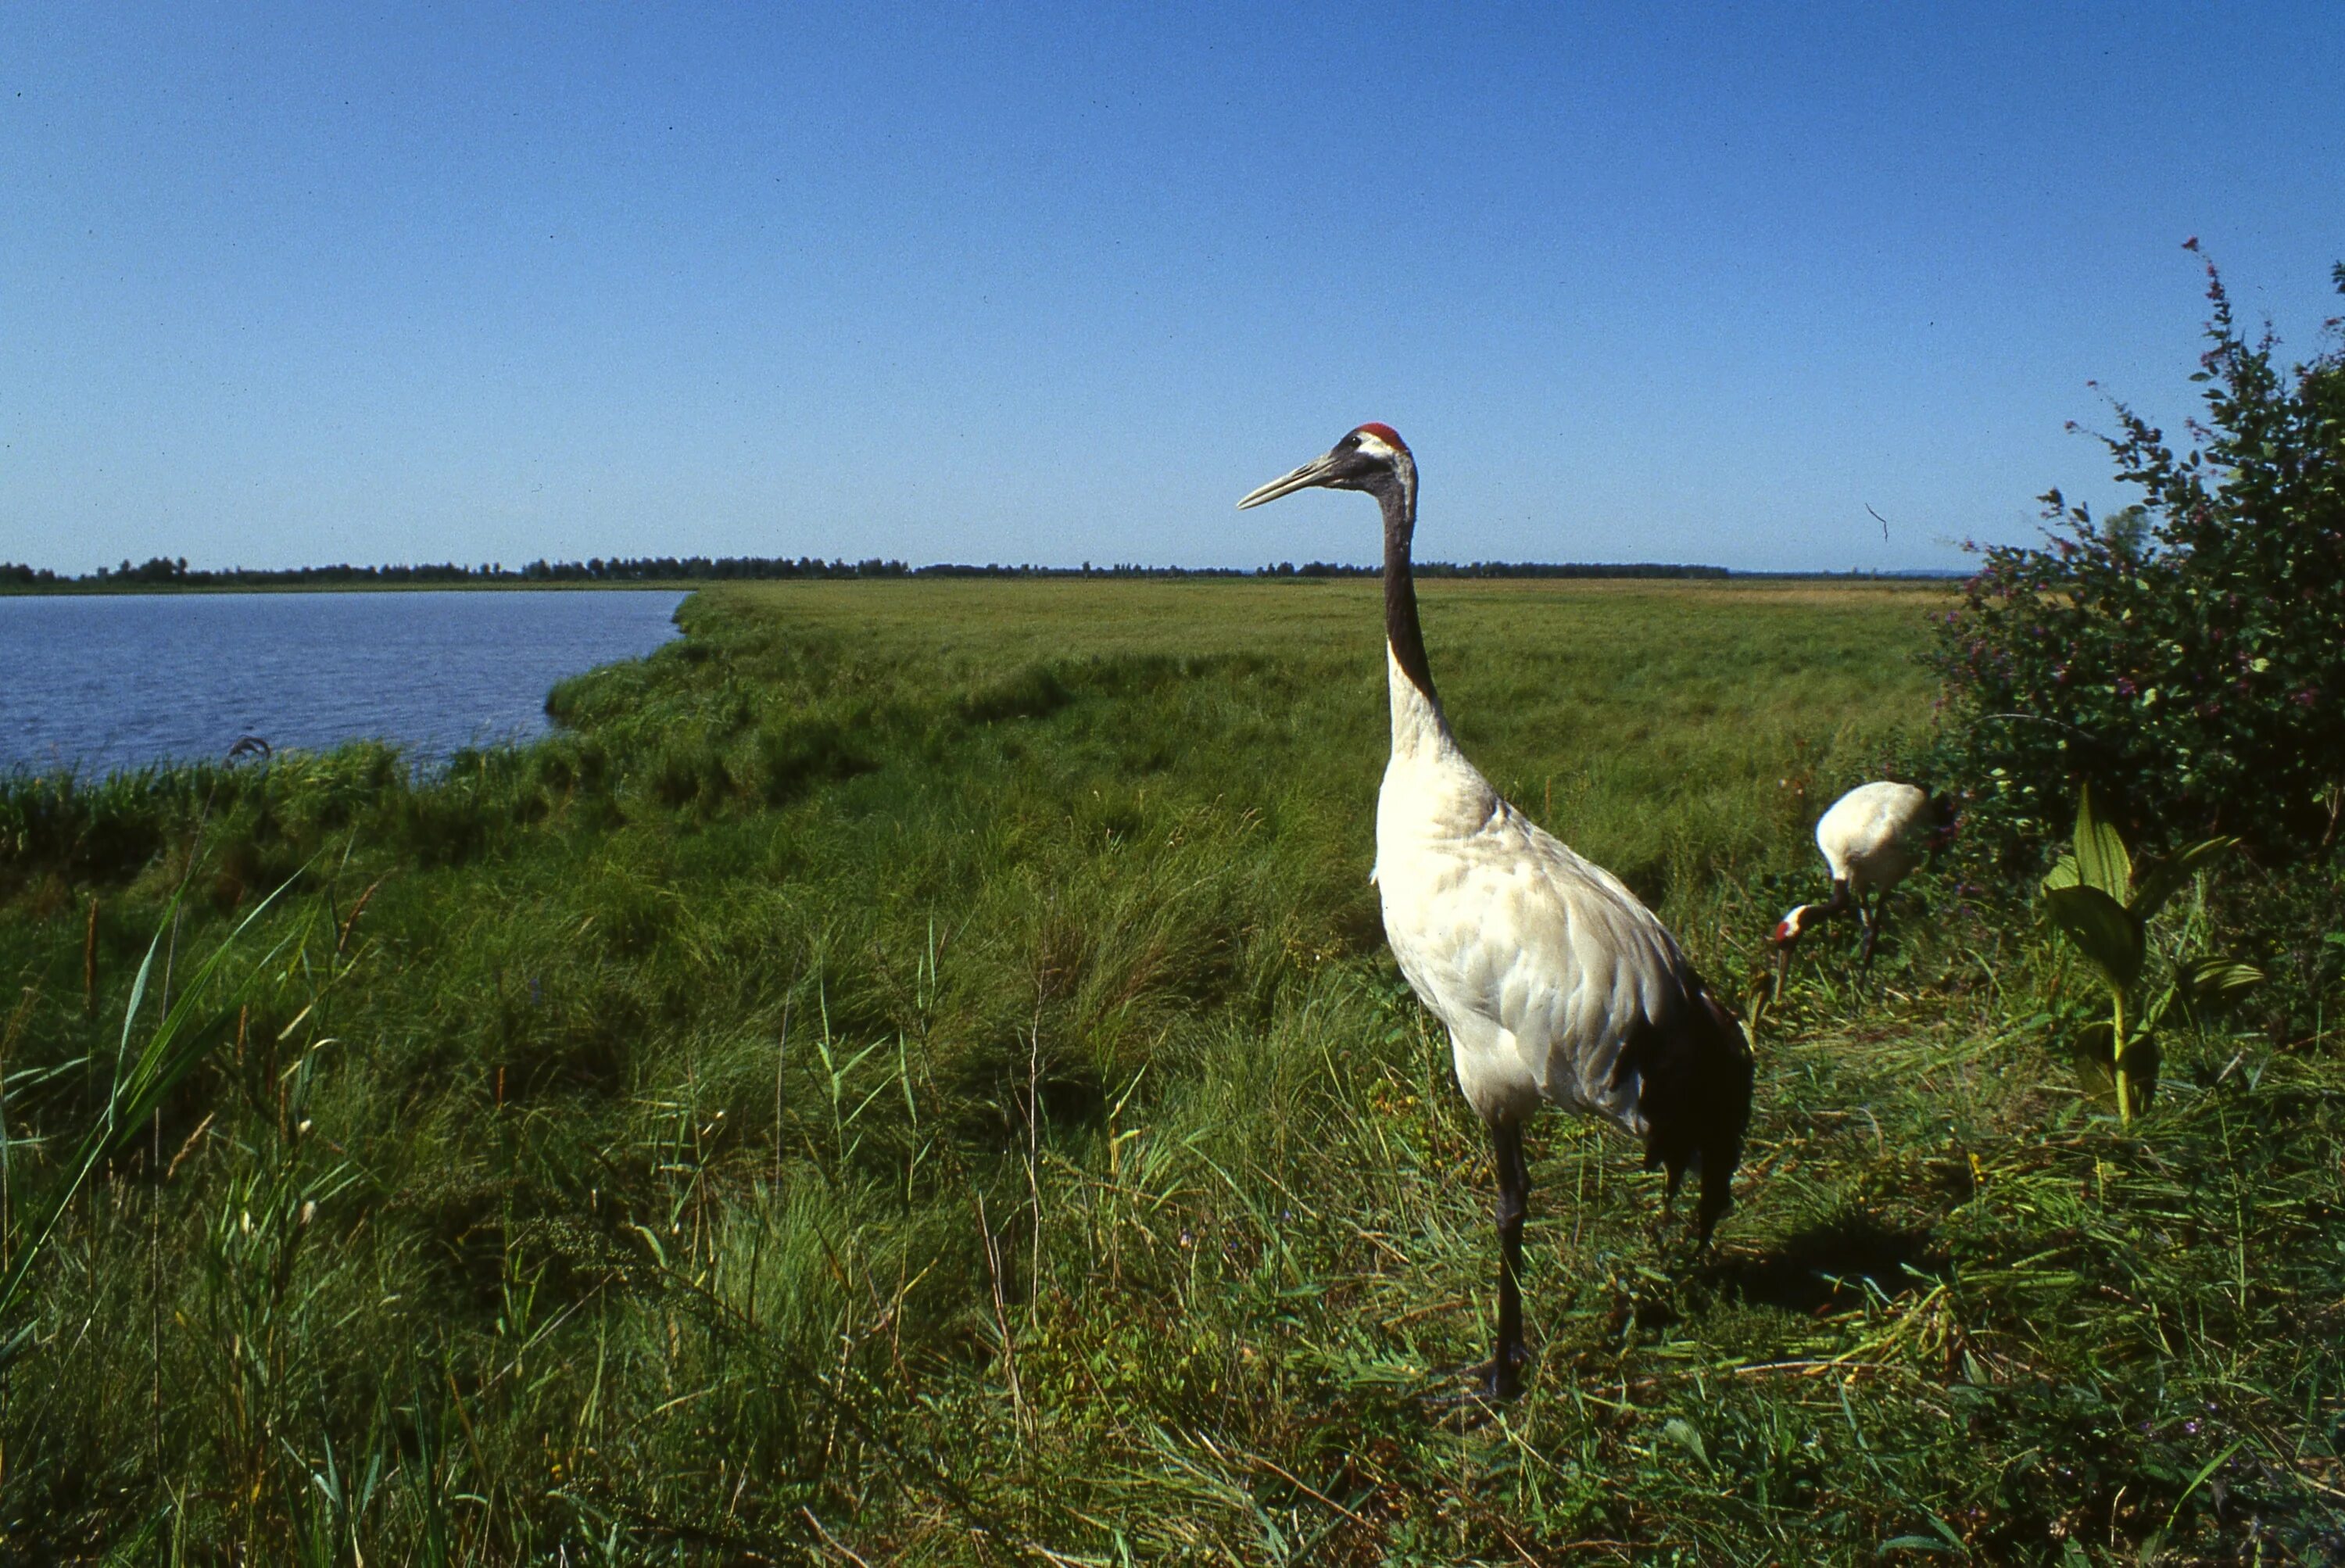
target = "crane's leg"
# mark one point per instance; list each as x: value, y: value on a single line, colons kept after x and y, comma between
x: 1872, y: 920
x: 1513, y: 1202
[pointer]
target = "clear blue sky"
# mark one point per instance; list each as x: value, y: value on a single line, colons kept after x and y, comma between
x: 1025, y: 283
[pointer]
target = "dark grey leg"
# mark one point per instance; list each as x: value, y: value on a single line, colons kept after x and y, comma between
x: 1514, y: 1202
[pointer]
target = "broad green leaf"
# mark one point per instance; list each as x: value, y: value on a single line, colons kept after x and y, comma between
x: 2096, y: 1067
x: 2215, y: 980
x: 2063, y: 874
x: 2104, y: 931
x: 2101, y: 859
x: 2162, y: 879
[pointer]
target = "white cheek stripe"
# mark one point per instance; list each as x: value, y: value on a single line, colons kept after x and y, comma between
x: 1374, y: 446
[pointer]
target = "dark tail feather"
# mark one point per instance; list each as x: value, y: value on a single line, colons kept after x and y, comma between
x: 1696, y: 1099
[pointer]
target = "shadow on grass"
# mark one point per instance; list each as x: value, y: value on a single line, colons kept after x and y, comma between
x: 1824, y: 1268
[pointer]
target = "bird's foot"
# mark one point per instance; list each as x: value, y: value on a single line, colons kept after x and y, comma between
x: 1678, y: 1246
x: 1492, y: 1383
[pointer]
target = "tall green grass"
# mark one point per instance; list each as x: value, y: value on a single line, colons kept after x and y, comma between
x: 912, y: 1073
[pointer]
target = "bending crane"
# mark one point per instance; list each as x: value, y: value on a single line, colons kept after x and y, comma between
x: 1869, y: 838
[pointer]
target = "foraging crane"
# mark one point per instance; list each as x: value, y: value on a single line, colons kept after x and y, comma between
x: 1556, y: 984
x: 1871, y: 838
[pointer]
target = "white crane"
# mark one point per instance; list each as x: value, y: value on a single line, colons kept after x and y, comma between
x: 1556, y: 984
x: 1871, y: 838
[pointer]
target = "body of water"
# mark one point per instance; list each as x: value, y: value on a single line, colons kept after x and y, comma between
x: 97, y: 683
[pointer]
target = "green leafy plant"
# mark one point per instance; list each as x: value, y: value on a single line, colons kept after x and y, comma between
x: 2103, y: 903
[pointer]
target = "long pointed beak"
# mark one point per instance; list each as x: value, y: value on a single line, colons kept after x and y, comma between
x: 1782, y: 969
x: 1303, y: 478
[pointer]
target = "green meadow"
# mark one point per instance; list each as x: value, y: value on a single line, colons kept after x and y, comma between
x: 911, y: 1073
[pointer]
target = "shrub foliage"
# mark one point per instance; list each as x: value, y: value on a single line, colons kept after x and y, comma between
x: 2185, y: 656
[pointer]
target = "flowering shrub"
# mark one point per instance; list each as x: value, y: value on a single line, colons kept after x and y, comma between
x: 2186, y: 656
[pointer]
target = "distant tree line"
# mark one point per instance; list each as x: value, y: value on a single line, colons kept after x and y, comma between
x: 1497, y: 569
x: 165, y: 572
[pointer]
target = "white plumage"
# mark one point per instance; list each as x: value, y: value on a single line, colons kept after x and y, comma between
x: 1874, y: 834
x: 1556, y: 984
x: 1540, y: 962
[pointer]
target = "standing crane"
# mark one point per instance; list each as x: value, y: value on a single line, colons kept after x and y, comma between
x: 1557, y: 985
x: 1871, y: 838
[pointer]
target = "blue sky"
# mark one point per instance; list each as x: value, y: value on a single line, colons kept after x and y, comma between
x: 1026, y: 283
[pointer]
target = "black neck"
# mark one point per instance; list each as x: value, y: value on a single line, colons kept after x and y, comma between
x: 1401, y: 628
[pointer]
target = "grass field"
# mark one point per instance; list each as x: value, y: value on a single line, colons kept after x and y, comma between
x: 912, y: 1073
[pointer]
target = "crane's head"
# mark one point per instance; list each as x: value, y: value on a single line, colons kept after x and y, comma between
x: 1372, y: 458
x: 1793, y: 925
x: 1786, y: 936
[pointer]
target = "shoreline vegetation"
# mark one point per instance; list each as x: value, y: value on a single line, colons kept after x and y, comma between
x: 165, y: 574
x: 911, y: 1072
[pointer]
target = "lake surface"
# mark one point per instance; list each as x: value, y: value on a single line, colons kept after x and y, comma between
x: 98, y: 683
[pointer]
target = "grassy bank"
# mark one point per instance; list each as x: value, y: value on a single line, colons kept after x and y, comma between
x: 913, y: 1073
